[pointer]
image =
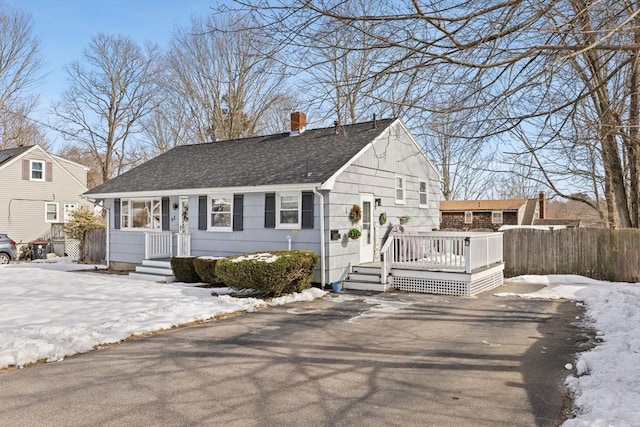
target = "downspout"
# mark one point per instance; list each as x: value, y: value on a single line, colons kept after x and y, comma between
x: 322, y: 251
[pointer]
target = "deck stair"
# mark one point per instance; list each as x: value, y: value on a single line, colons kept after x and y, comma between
x: 154, y: 271
x: 366, y: 277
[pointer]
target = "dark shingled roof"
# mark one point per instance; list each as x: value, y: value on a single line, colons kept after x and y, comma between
x: 311, y: 157
x: 10, y: 153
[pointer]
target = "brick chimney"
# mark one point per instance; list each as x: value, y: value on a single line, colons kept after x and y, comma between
x: 542, y: 202
x: 298, y: 123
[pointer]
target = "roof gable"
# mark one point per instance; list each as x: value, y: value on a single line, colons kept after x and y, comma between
x: 308, y: 158
x: 12, y: 153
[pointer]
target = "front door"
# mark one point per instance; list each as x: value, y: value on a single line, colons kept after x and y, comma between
x: 183, y: 220
x: 367, y: 238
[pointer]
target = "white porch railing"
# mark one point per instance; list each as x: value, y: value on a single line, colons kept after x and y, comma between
x: 184, y: 244
x: 158, y: 245
x: 441, y: 251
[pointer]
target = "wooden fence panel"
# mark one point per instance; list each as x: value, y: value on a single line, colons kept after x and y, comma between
x: 603, y: 254
x: 95, y: 246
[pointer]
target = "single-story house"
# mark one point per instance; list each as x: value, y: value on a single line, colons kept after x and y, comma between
x: 471, y: 215
x: 38, y: 190
x: 290, y: 190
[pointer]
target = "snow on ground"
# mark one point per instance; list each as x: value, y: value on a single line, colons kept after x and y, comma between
x: 48, y: 312
x: 606, y: 384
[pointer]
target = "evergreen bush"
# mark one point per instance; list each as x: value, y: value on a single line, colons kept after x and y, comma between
x: 279, y: 272
x: 206, y: 269
x: 184, y: 269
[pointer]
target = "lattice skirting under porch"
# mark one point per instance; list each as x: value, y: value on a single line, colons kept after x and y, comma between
x: 448, y: 287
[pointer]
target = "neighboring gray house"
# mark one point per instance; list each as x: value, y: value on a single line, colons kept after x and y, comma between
x: 37, y: 189
x: 293, y: 189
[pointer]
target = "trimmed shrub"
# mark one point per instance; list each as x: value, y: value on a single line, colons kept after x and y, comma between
x: 206, y: 269
x: 184, y: 270
x: 280, y: 272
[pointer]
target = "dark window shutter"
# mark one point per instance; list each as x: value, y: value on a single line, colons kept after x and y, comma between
x: 26, y: 169
x: 48, y: 172
x: 116, y: 214
x: 238, y: 209
x: 307, y: 209
x: 270, y: 210
x: 165, y: 213
x: 202, y: 212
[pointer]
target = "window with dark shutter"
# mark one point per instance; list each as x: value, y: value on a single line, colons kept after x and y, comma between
x: 270, y: 210
x: 202, y: 212
x: 165, y: 213
x: 116, y: 214
x: 238, y: 209
x: 307, y: 209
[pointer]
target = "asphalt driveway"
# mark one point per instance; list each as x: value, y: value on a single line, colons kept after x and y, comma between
x: 353, y: 359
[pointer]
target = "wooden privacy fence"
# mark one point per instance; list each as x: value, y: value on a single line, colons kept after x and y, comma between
x: 95, y: 246
x: 603, y: 254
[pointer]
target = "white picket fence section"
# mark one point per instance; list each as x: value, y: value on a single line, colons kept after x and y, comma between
x: 183, y: 244
x: 158, y: 245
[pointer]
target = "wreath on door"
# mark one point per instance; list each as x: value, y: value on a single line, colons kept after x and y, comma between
x: 356, y: 214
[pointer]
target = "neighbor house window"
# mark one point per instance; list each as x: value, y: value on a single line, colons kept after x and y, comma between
x: 423, y: 194
x: 69, y: 209
x: 37, y: 170
x: 143, y: 214
x: 221, y: 213
x: 496, y: 217
x: 51, y: 212
x: 400, y: 189
x: 468, y: 217
x: 288, y: 210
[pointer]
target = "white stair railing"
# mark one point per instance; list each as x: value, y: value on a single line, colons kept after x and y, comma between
x: 184, y: 244
x: 158, y: 245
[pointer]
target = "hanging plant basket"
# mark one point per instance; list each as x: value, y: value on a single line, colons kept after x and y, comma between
x: 356, y: 214
x: 354, y: 234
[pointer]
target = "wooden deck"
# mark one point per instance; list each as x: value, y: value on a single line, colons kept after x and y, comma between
x: 447, y: 263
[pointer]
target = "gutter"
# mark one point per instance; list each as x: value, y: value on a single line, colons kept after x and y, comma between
x: 322, y: 242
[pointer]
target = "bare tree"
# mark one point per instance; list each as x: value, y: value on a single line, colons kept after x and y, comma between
x: 110, y: 92
x: 221, y: 81
x: 19, y: 66
x: 535, y: 67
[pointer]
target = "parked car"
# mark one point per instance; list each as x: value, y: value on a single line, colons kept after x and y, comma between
x: 7, y: 249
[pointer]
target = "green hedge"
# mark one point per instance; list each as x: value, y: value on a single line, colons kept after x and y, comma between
x: 206, y: 269
x: 184, y: 269
x: 280, y: 272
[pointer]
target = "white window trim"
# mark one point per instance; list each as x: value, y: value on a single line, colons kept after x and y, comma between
x: 295, y: 226
x: 493, y: 221
x: 210, y: 226
x: 44, y: 165
x: 402, y: 201
x: 470, y: 215
x: 57, y: 205
x: 130, y: 214
x: 426, y: 193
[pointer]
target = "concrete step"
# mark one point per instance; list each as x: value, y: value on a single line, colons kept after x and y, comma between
x: 365, y: 286
x: 367, y: 269
x: 160, y: 271
x: 364, y: 277
x: 156, y: 263
x: 152, y: 277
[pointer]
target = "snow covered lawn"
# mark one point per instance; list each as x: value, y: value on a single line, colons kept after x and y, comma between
x: 606, y: 390
x: 48, y: 312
